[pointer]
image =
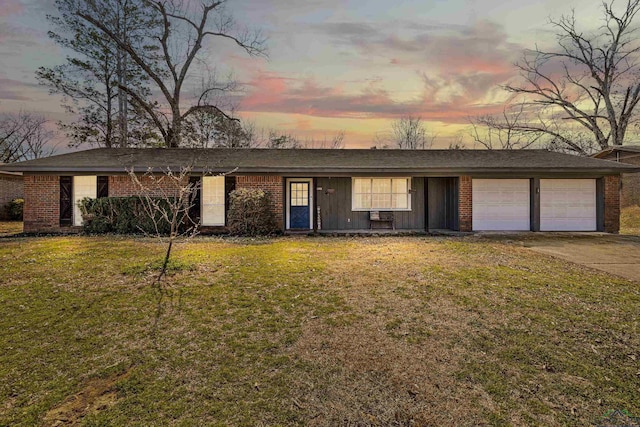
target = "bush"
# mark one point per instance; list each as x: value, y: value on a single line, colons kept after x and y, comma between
x: 15, y: 209
x: 121, y: 215
x: 250, y: 213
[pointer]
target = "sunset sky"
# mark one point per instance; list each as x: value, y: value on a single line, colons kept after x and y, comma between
x: 334, y: 64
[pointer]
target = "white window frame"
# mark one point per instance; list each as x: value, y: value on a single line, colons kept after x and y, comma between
x: 353, y: 194
x: 82, y: 186
x: 204, y: 221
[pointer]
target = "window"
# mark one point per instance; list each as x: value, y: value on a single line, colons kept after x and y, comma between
x: 299, y: 194
x: 83, y: 186
x: 212, y: 197
x: 391, y: 194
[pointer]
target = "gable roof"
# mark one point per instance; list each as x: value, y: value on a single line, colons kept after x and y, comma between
x: 612, y: 149
x: 324, y: 161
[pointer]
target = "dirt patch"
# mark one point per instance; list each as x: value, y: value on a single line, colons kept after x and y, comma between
x: 96, y: 395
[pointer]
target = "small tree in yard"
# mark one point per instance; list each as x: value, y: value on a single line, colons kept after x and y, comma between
x: 167, y: 199
x: 250, y: 213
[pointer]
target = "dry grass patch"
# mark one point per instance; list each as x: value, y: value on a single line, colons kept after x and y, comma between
x: 8, y: 228
x: 630, y: 220
x: 311, y: 331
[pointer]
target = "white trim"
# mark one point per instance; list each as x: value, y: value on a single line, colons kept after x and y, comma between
x: 207, y: 221
x: 84, y: 186
x: 353, y: 192
x: 288, y: 200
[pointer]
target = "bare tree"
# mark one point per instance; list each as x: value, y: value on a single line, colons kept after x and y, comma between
x: 507, y: 131
x: 209, y: 129
x: 591, y: 79
x: 167, y: 199
x: 458, y: 142
x: 24, y: 136
x: 333, y: 142
x: 178, y: 36
x: 409, y: 132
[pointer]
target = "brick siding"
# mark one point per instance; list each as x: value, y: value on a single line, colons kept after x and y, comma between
x: 11, y: 187
x: 124, y: 186
x: 272, y: 184
x: 41, y: 204
x: 612, y: 204
x: 464, y: 203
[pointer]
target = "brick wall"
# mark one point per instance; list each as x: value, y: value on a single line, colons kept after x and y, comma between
x: 274, y: 185
x: 612, y: 204
x: 41, y: 204
x: 464, y: 203
x: 630, y: 194
x: 11, y: 187
x: 160, y: 185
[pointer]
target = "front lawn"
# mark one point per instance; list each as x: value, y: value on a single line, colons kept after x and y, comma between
x: 311, y: 331
x: 630, y: 220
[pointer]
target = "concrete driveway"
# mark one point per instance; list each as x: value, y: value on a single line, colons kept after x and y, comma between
x: 619, y: 255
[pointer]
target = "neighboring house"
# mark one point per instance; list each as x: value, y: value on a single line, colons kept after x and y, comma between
x: 10, y: 188
x: 630, y: 182
x: 350, y: 190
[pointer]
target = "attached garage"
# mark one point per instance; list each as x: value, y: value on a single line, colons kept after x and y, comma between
x: 568, y: 205
x: 501, y: 205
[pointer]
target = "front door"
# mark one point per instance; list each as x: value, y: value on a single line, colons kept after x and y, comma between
x: 299, y: 204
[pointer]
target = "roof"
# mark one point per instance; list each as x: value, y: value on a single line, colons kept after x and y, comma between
x: 629, y: 148
x: 327, y: 161
x: 7, y: 173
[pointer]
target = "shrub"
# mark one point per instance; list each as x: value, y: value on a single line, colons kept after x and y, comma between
x: 121, y: 215
x: 250, y: 213
x: 15, y: 209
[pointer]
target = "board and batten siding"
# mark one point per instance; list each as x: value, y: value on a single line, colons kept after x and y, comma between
x: 336, y: 214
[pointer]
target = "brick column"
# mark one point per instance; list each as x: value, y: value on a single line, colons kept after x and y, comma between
x: 464, y: 203
x: 41, y: 203
x: 612, y: 204
x: 271, y: 184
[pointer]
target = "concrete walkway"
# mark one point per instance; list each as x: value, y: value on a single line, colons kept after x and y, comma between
x: 619, y: 255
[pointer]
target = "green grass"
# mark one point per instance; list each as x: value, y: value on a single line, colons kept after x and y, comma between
x: 311, y: 331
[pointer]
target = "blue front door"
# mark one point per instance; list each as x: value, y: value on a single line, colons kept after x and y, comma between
x: 299, y: 204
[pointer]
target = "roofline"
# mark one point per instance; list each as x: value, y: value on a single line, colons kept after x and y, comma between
x: 611, y: 149
x: 620, y: 168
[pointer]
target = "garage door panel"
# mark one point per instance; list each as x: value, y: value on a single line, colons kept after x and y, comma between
x: 501, y: 204
x: 568, y: 205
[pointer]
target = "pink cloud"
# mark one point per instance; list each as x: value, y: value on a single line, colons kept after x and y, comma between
x: 11, y: 7
x: 270, y: 92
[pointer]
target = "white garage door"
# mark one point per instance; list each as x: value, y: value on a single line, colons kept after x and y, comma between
x: 568, y: 205
x: 500, y: 204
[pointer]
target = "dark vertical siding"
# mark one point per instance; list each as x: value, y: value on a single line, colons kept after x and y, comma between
x: 600, y: 204
x: 535, y: 204
x: 442, y: 203
x: 336, y: 214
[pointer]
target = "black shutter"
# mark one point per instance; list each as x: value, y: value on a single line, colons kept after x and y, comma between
x: 66, y: 200
x: 194, y: 209
x: 103, y: 186
x: 229, y: 186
